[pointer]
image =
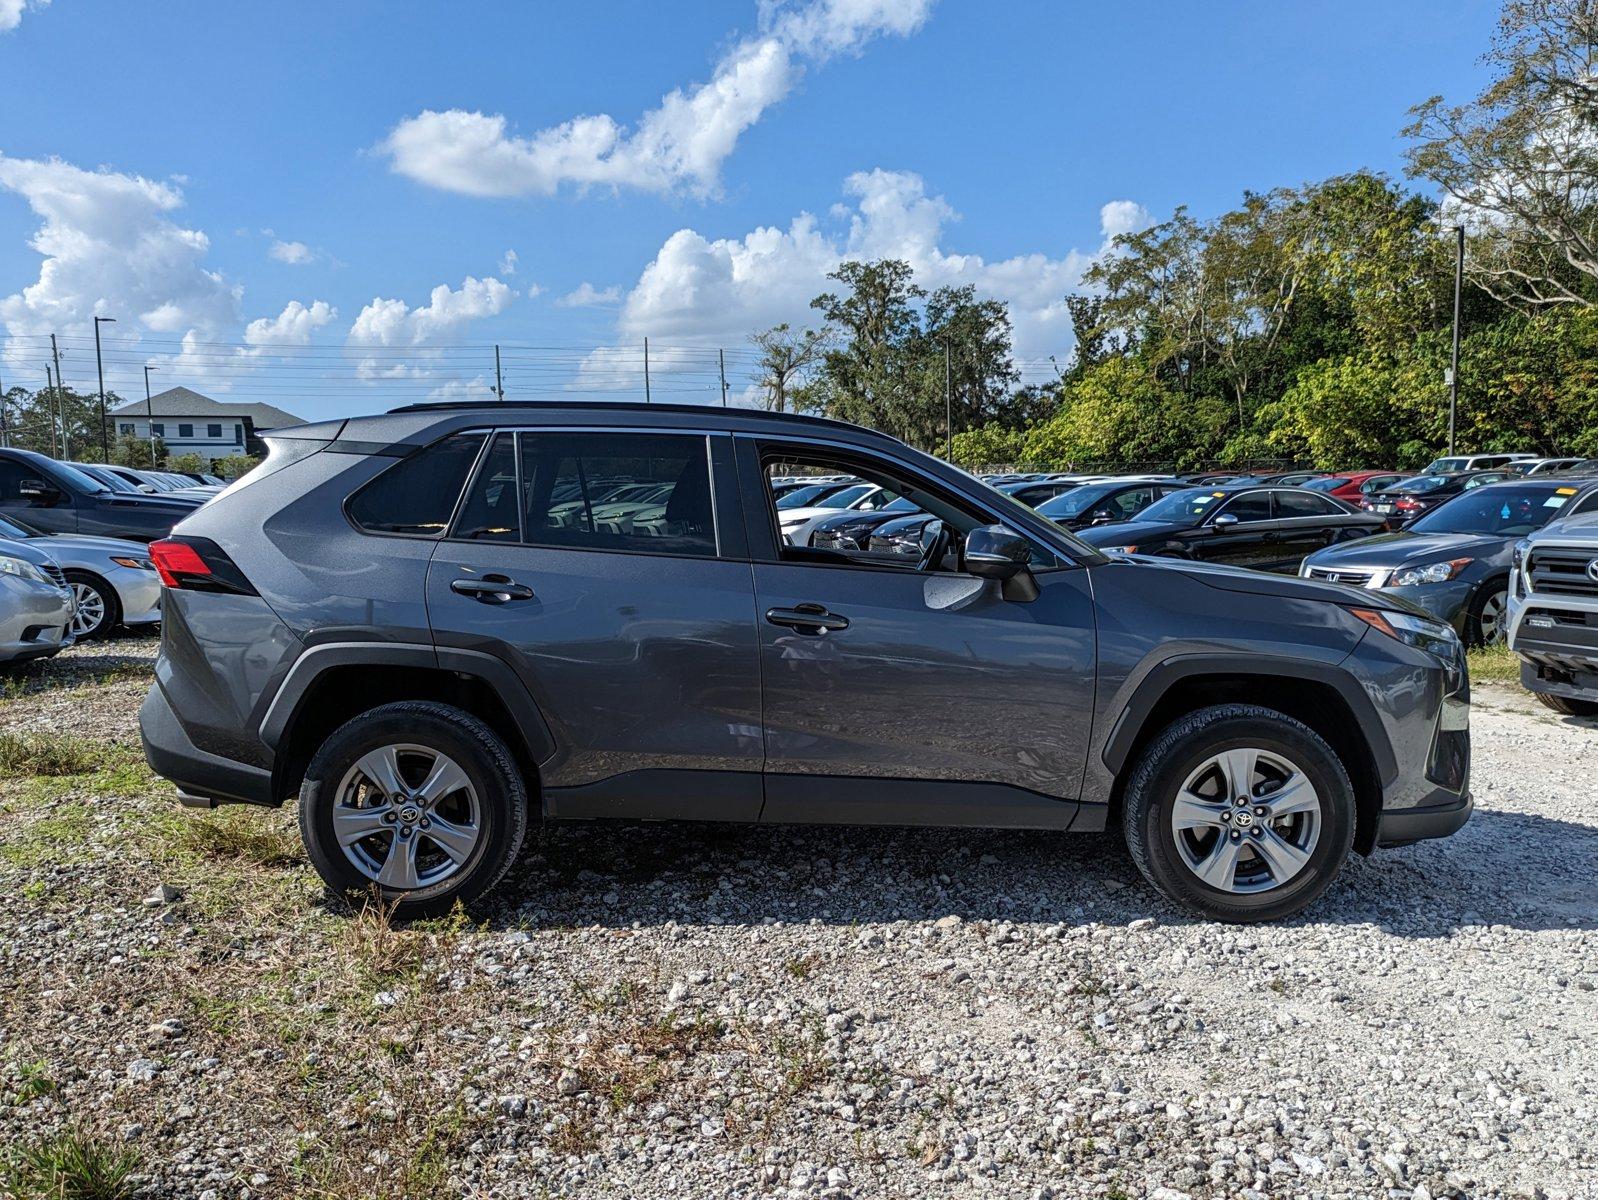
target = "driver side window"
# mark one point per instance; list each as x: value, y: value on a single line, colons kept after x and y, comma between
x: 899, y: 526
x: 1250, y: 506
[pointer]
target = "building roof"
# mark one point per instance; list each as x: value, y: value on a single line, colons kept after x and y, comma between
x: 182, y: 402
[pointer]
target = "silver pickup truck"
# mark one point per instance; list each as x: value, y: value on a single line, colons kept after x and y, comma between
x: 1553, y: 614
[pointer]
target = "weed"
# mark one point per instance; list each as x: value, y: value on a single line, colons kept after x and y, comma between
x: 1493, y: 663
x: 68, y: 1166
x: 801, y: 966
x: 249, y: 837
x: 51, y: 755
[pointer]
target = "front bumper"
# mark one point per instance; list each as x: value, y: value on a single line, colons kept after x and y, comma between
x: 1556, y: 637
x: 1448, y: 601
x: 139, y: 593
x: 35, y: 620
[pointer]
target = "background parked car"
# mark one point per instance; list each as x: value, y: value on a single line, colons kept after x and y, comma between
x: 796, y: 521
x: 1473, y: 462
x: 850, y: 531
x: 56, y: 498
x: 1543, y: 466
x: 1101, y: 503
x: 1034, y: 492
x: 1404, y: 501
x: 1354, y: 486
x: 1454, y: 561
x: 1268, y: 528
x: 117, y: 483
x: 1292, y: 478
x: 113, y: 581
x: 35, y: 604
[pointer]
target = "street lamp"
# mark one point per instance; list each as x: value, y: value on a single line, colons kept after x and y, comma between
x: 149, y: 413
x: 99, y: 367
x: 1453, y: 359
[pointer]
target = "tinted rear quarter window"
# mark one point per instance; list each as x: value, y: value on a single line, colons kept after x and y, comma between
x: 416, y: 496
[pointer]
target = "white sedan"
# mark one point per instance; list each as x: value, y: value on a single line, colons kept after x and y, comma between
x: 113, y: 581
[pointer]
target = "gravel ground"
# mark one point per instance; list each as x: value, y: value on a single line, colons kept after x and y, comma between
x: 711, y: 1011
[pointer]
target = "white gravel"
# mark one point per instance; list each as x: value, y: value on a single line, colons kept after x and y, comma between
x: 713, y: 1011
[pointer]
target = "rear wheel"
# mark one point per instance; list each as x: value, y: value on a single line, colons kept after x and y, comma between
x: 96, y: 609
x: 1568, y: 706
x: 1239, y: 812
x: 420, y: 801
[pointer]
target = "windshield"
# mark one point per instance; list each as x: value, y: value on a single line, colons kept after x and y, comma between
x: 1329, y: 483
x: 77, y: 479
x: 1447, y: 464
x: 1512, y: 510
x: 1190, y: 505
x: 1422, y: 483
x: 10, y: 527
x: 111, y: 480
x: 800, y: 497
x: 844, y: 498
x: 1075, y: 502
x: 902, y: 505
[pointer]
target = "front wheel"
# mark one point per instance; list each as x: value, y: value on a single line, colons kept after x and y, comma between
x: 96, y: 611
x: 1567, y: 705
x: 421, y: 802
x: 1488, y: 608
x: 1239, y: 812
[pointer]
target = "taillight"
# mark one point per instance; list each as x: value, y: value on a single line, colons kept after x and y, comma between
x: 1406, y: 503
x: 198, y: 565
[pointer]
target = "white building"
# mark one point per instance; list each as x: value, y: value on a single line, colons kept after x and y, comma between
x: 189, y: 423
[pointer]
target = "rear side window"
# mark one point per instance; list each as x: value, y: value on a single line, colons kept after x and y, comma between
x: 1304, y: 504
x: 416, y: 496
x: 617, y: 491
x: 492, y: 512
x: 1250, y: 506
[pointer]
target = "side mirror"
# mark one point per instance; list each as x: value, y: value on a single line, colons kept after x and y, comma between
x: 37, y: 489
x: 994, y: 552
x: 1102, y: 516
x: 1225, y: 521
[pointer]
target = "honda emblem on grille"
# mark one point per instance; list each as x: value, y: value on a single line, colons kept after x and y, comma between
x: 1592, y: 570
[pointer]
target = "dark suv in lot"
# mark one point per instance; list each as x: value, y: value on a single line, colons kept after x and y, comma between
x: 433, y: 628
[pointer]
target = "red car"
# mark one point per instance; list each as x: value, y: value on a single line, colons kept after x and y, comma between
x: 1354, y: 486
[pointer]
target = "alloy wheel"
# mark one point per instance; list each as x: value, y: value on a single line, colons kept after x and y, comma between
x: 1490, y: 621
x: 1246, y: 820
x: 88, y: 609
x: 406, y: 816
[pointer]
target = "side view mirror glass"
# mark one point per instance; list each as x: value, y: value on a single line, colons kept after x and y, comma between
x: 36, y: 489
x: 1226, y: 520
x: 995, y: 552
x: 1102, y: 515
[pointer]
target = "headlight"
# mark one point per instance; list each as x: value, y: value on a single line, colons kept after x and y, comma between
x: 138, y: 564
x: 23, y: 569
x: 1423, y: 633
x: 1118, y: 549
x: 1439, y: 572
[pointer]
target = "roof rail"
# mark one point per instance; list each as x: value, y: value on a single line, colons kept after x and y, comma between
x: 638, y: 406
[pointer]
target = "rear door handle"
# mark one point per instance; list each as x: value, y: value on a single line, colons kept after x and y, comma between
x: 491, y: 589
x: 807, y: 618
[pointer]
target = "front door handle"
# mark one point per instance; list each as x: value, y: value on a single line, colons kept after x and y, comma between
x: 491, y: 589
x: 807, y: 618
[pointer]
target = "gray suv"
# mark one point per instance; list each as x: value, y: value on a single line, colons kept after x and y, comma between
x: 438, y: 625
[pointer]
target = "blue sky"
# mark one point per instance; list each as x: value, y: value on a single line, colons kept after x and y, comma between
x: 155, y: 144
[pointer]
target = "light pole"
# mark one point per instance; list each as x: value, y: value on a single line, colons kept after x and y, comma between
x: 99, y: 367
x: 1453, y: 358
x: 149, y: 413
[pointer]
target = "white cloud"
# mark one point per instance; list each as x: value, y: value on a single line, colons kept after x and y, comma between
x: 294, y: 254
x: 1123, y: 216
x: 507, y: 265
x: 703, y: 291
x: 11, y: 12
x: 111, y: 248
x: 294, y: 326
x: 447, y: 312
x: 679, y: 145
x: 586, y: 295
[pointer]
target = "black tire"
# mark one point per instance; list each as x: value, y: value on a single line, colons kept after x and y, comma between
x: 489, y: 767
x: 108, y: 598
x: 1567, y: 706
x: 1479, y: 601
x: 1181, y: 748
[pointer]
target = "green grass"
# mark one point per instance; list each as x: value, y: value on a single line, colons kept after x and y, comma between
x: 1494, y: 663
x: 52, y: 755
x: 68, y: 1166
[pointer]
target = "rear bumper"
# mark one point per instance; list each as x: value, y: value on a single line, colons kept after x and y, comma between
x: 1401, y: 826
x: 203, y: 780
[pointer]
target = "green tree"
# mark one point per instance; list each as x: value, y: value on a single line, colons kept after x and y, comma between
x: 1520, y: 159
x: 185, y: 463
x: 234, y: 466
x: 865, y: 376
x: 130, y: 451
x: 786, y: 355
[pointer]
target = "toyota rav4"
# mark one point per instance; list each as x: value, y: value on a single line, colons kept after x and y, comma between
x: 438, y: 625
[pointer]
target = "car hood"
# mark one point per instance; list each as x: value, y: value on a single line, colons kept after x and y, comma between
x: 27, y: 552
x: 788, y: 516
x: 1130, y: 533
x: 69, y: 546
x: 1288, y: 587
x: 1404, y: 548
